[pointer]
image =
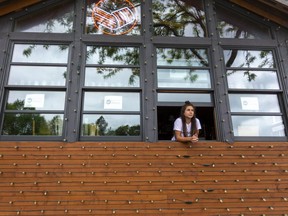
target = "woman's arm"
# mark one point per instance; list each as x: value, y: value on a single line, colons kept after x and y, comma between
x: 180, y: 138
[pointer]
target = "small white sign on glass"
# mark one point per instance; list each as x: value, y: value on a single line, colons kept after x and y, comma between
x: 250, y: 103
x: 113, y: 102
x: 34, y: 100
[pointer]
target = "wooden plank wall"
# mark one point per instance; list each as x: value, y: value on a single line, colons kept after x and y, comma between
x: 164, y: 178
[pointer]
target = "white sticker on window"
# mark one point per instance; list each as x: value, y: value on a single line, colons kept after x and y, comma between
x: 34, y: 100
x: 113, y: 102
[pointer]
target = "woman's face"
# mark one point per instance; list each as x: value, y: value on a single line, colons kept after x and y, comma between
x: 189, y: 112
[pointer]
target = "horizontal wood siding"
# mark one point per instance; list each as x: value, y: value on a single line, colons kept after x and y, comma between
x: 128, y: 178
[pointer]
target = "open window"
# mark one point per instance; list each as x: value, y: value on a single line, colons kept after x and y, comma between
x: 167, y: 116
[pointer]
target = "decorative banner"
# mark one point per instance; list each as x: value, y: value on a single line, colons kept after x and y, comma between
x: 114, y: 17
x: 113, y: 102
x: 34, y: 100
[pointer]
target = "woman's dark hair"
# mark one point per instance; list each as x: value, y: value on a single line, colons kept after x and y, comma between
x: 193, y: 128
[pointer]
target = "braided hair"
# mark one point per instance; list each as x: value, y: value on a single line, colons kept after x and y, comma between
x: 193, y: 128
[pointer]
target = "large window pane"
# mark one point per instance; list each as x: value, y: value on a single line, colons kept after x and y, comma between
x: 183, y: 78
x: 179, y: 18
x: 58, y: 19
x: 111, y: 101
x: 112, y: 77
x: 35, y: 100
x: 113, y: 17
x: 33, y: 124
x: 180, y: 97
x: 182, y: 57
x: 249, y: 59
x: 111, y: 125
x: 112, y: 55
x: 271, y: 126
x: 254, y: 103
x: 248, y: 79
x: 233, y: 25
x: 40, y: 53
x: 37, y: 75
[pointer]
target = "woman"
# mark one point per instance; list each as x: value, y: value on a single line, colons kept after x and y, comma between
x: 186, y: 127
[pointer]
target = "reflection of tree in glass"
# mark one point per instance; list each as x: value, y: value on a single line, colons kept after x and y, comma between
x: 191, y: 77
x: 225, y: 28
x: 191, y: 56
x: 127, y: 55
x: 66, y: 21
x: 127, y: 130
x: 55, y: 125
x: 101, y: 125
x: 173, y: 18
x: 25, y: 123
x: 28, y: 51
x: 124, y: 130
x: 265, y: 62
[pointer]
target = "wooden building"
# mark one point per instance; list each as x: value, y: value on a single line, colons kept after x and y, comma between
x: 90, y: 90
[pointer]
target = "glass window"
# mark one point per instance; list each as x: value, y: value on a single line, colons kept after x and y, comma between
x: 112, y: 55
x: 57, y: 19
x: 36, y: 111
x: 182, y: 57
x: 253, y: 114
x: 270, y: 126
x: 113, y: 17
x: 184, y: 78
x: 233, y: 25
x: 37, y: 75
x: 111, y: 125
x: 112, y: 77
x: 249, y: 58
x: 111, y: 101
x: 122, y: 68
x: 33, y: 124
x: 181, y: 68
x: 35, y: 100
x: 113, y: 112
x: 252, y: 79
x: 181, y: 97
x: 179, y: 18
x: 254, y: 103
x: 29, y: 53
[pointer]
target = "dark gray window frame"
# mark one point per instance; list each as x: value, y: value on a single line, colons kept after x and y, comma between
x: 147, y: 44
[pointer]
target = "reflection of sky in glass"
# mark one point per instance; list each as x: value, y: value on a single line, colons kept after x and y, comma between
x: 233, y: 25
x: 100, y: 77
x: 58, y: 19
x: 40, y: 53
x: 112, y: 55
x: 263, y: 80
x: 114, y: 121
x: 261, y: 125
x: 180, y: 97
x: 95, y: 101
x: 183, y: 78
x: 37, y: 75
x: 265, y: 103
x: 52, y: 100
x: 249, y: 59
x: 182, y: 57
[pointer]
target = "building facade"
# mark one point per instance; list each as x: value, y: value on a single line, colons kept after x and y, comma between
x: 120, y: 70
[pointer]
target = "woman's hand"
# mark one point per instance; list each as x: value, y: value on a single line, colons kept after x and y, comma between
x: 194, y: 138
